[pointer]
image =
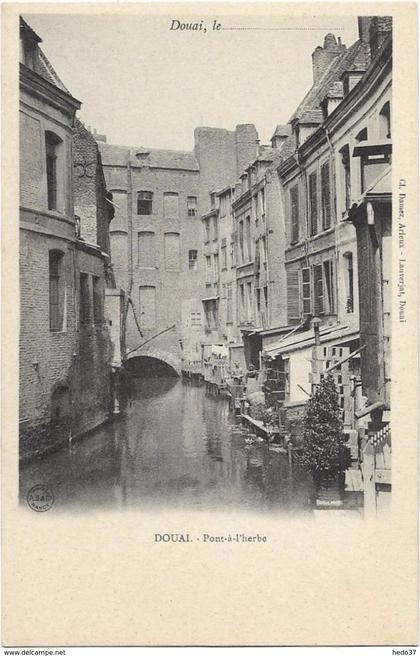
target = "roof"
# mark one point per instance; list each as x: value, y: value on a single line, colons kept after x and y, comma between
x: 306, y: 339
x: 282, y: 131
x: 353, y: 58
x: 113, y: 155
x: 44, y: 68
x: 267, y: 155
x: 47, y: 72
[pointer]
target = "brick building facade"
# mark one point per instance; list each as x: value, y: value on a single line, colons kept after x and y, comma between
x: 64, y: 342
x: 156, y: 237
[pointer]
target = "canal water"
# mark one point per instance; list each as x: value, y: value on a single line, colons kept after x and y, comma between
x: 176, y: 447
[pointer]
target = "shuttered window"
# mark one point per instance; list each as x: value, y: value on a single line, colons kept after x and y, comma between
x: 172, y: 255
x: 329, y: 286
x: 318, y: 290
x: 293, y: 313
x: 306, y: 291
x: 326, y: 196
x: 146, y: 249
x: 313, y: 203
x: 294, y: 214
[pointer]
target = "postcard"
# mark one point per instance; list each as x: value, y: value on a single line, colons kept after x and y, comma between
x: 210, y: 324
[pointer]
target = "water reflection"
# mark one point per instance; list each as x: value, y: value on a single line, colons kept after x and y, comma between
x: 176, y: 447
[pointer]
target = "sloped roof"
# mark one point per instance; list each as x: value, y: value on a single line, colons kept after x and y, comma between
x: 113, y: 155
x: 44, y: 67
x: 282, y: 131
x: 153, y: 157
x: 47, y: 71
x: 168, y: 159
x: 354, y: 58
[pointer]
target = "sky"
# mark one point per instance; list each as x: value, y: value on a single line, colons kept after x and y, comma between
x: 143, y: 84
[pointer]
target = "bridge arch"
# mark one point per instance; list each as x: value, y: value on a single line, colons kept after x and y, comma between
x: 153, y: 362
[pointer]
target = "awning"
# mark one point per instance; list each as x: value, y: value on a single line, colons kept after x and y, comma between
x: 210, y: 298
x: 336, y: 334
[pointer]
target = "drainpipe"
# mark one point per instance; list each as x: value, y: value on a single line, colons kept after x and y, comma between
x: 334, y: 186
x: 130, y: 259
x: 267, y: 259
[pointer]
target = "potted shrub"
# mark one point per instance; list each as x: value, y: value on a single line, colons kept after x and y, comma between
x: 325, y: 454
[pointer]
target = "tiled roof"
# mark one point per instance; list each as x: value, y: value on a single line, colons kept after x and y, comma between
x: 113, y: 155
x: 282, y: 131
x: 153, y: 157
x: 47, y: 71
x: 169, y: 159
x: 354, y: 58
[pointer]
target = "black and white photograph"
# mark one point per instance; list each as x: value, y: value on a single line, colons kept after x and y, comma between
x: 210, y: 326
x: 205, y: 323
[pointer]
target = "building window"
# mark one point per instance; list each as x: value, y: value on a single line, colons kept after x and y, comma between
x: 97, y: 300
x: 349, y: 277
x: 145, y: 202
x: 146, y: 242
x: 385, y: 122
x: 215, y: 229
x: 56, y: 290
x: 313, y: 204
x: 241, y: 241
x: 172, y: 251
x: 326, y: 196
x: 192, y: 260
x: 229, y: 298
x: 196, y: 318
x: 52, y: 144
x: 147, y: 305
x: 224, y: 254
x: 249, y: 303
x: 170, y: 205
x: 242, y: 302
x: 216, y: 265
x: 318, y: 284
x: 306, y: 291
x: 345, y: 160
x: 262, y: 193
x: 294, y: 214
x: 119, y: 200
x: 84, y: 305
x: 207, y: 230
x: 293, y: 297
x: 192, y: 205
x: 248, y: 238
x: 209, y: 276
x: 329, y: 287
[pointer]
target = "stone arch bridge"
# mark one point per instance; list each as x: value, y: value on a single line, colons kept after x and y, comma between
x: 153, y: 359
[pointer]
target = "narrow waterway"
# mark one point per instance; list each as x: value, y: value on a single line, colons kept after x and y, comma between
x: 175, y: 447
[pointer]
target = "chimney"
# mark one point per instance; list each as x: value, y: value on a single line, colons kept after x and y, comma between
x: 323, y: 56
x: 364, y: 27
